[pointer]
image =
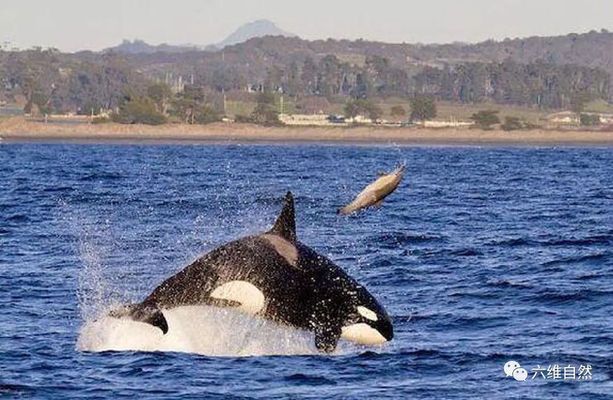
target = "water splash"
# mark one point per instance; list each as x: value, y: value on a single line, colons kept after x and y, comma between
x: 202, y: 330
x: 95, y: 289
x: 192, y: 329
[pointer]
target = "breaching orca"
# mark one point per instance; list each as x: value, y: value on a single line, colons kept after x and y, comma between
x: 273, y: 276
x: 376, y: 192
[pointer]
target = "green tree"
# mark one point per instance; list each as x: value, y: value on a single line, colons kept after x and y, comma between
x: 363, y: 88
x: 351, y: 109
x: 190, y: 106
x: 207, y: 115
x: 578, y: 101
x: 512, y: 124
x: 486, y: 119
x: 589, y: 119
x: 398, y: 111
x: 138, y: 110
x: 265, y: 112
x: 308, y: 76
x: 374, y: 112
x: 356, y: 107
x: 161, y: 94
x: 328, y: 78
x: 422, y: 108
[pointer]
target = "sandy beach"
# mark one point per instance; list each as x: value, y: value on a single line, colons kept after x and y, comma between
x: 19, y: 129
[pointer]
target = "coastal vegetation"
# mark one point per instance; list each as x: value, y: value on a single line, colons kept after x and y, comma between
x: 265, y: 112
x: 368, y: 108
x: 259, y: 79
x: 486, y: 119
x: 512, y: 124
x: 138, y: 110
x: 422, y: 108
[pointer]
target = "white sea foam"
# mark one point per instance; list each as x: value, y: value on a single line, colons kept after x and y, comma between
x: 198, y: 329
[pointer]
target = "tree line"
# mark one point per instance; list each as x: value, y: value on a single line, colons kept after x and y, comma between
x: 539, y: 84
x: 53, y: 82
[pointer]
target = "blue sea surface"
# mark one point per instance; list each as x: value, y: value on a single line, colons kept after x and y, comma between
x: 482, y: 255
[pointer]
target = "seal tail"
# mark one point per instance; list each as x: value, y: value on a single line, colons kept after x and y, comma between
x: 149, y: 314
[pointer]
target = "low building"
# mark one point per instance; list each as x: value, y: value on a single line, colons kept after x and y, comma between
x: 563, y: 118
x: 447, y: 124
x: 304, y: 119
x: 359, y: 119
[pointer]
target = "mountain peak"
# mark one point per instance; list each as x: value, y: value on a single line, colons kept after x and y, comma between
x: 250, y: 30
x: 139, y: 46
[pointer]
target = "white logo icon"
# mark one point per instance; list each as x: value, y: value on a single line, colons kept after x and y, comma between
x: 520, y: 374
x: 512, y: 368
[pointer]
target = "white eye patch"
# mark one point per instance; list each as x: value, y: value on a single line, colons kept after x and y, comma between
x: 251, y: 299
x: 366, y: 313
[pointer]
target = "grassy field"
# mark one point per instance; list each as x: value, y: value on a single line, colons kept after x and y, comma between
x: 449, y: 111
x: 599, y: 106
x: 239, y: 108
x: 446, y: 111
x: 245, y: 108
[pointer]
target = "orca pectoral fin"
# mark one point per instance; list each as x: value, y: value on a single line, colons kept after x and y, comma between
x: 326, y: 340
x: 153, y: 316
x: 148, y: 314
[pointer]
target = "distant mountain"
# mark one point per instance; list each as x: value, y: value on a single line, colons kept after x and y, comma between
x: 251, y: 30
x: 141, y: 47
x: 255, y: 29
x: 254, y: 57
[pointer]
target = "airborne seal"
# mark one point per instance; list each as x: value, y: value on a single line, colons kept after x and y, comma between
x: 376, y: 192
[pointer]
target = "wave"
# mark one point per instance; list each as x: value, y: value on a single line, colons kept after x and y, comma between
x: 563, y: 297
x: 16, y: 390
x: 17, y: 218
x: 515, y: 242
x: 304, y: 379
x: 506, y: 283
x: 468, y: 252
x: 576, y: 259
x: 395, y: 239
x: 524, y: 241
x: 587, y: 241
x: 204, y: 330
x: 473, y: 322
x: 101, y: 176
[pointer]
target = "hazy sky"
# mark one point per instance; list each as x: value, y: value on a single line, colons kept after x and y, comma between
x: 82, y: 24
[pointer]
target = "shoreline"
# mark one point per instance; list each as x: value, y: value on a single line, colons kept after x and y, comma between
x: 21, y: 130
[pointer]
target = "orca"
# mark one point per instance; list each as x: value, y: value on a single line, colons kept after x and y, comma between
x: 273, y: 276
x: 376, y: 192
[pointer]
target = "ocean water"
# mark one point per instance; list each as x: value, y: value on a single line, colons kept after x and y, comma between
x: 483, y: 255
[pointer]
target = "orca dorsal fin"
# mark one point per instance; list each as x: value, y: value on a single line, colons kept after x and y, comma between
x: 285, y: 226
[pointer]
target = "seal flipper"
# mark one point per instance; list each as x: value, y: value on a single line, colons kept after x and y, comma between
x: 148, y: 314
x: 285, y: 226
